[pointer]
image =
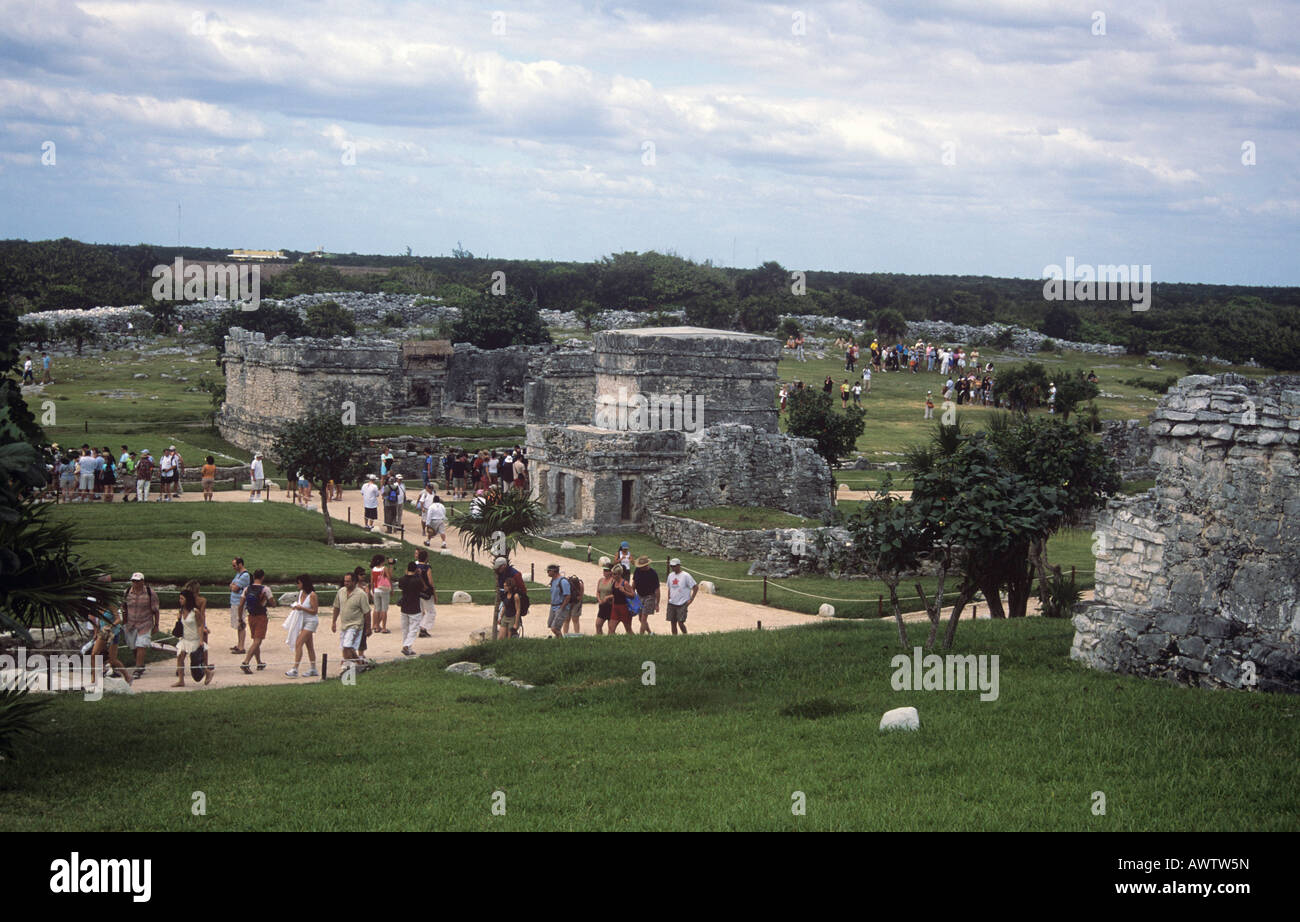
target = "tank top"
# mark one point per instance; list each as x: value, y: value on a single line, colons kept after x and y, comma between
x: 209, y: 470
x: 190, y: 625
x: 379, y: 580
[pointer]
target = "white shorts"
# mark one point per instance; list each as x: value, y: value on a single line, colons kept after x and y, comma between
x: 140, y: 639
x: 310, y: 622
x: 87, y: 481
x: 437, y: 526
x: 351, y: 639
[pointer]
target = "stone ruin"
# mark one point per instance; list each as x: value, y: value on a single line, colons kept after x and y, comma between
x: 1198, y: 580
x: 662, y: 419
x: 420, y: 382
x: 641, y: 421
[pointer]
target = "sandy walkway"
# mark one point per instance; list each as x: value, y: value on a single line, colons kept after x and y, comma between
x: 455, y: 623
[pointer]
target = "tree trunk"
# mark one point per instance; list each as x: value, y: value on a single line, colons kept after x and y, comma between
x: 964, y: 596
x: 992, y: 589
x: 932, y: 609
x: 1019, y: 588
x: 898, y: 614
x: 325, y: 511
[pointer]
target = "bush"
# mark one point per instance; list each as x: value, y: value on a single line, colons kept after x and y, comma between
x: 329, y: 319
x: 1060, y: 597
x: 1047, y: 345
x: 1005, y: 338
x: 17, y: 712
x: 1138, y: 343
x: 1158, y: 387
x: 1197, y: 366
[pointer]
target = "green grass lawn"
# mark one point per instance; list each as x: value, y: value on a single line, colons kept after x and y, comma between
x: 733, y: 726
x: 895, y: 407
x: 855, y: 598
x: 284, y: 540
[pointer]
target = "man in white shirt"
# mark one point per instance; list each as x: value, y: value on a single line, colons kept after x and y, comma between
x: 258, y: 476
x: 682, y: 589
x: 435, y: 520
x: 168, y: 473
x: 370, y: 501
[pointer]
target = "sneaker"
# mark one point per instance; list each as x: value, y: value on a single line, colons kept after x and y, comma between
x: 261, y: 666
x: 243, y: 667
x: 423, y: 633
x: 310, y: 672
x: 292, y: 673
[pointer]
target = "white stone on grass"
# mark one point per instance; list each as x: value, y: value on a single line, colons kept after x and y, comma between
x: 461, y: 597
x: 708, y: 588
x: 901, y: 719
x: 827, y: 610
x: 567, y: 545
x: 464, y: 667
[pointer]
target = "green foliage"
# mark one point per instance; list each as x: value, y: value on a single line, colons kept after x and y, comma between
x: 1024, y: 386
x: 1072, y: 389
x: 812, y: 415
x: 502, y: 520
x: 715, y: 314
x: 1005, y: 338
x: 323, y: 447
x: 587, y: 311
x: 1138, y: 343
x: 39, y: 333
x: 270, y: 319
x: 496, y: 321
x: 1048, y: 345
x: 18, y: 711
x: 305, y: 278
x: 1157, y: 387
x: 329, y: 319
x: 1060, y: 597
x: 789, y: 328
x: 1061, y: 321
x: 758, y: 313
x: 1197, y: 365
x: 79, y: 330
x: 891, y: 326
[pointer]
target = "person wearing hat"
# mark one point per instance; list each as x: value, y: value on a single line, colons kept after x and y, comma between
x: 512, y: 594
x: 929, y: 405
x: 604, y: 594
x: 257, y: 476
x: 561, y: 598
x: 646, y: 582
x: 370, y: 501
x: 140, y: 611
x: 682, y: 589
x: 168, y: 473
x: 624, y: 556
x: 620, y: 591
x: 143, y: 476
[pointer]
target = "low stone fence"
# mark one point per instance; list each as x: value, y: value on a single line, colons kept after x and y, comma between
x: 712, y: 540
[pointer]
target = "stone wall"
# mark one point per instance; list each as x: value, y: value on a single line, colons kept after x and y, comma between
x: 563, y: 393
x: 676, y: 531
x: 1198, y: 581
x: 1130, y: 443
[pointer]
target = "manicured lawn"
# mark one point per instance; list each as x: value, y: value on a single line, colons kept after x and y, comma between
x: 852, y: 598
x: 742, y: 517
x: 734, y: 725
x: 284, y: 540
x: 895, y: 406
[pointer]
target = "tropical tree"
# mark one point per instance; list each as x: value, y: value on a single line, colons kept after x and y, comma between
x: 495, y: 321
x: 498, y: 520
x: 329, y: 319
x: 79, y: 330
x: 890, y: 325
x: 1072, y: 390
x: 325, y: 446
x: 812, y: 415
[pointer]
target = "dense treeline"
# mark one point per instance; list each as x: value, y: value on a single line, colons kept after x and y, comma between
x: 1230, y: 321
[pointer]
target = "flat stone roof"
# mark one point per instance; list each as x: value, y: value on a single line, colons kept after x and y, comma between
x: 688, y: 333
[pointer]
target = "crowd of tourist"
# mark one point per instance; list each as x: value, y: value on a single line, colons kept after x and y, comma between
x: 96, y: 475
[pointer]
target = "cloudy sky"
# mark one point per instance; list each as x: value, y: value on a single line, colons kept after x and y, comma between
x: 986, y: 137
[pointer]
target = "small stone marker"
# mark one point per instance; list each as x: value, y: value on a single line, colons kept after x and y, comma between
x: 461, y: 597
x: 708, y: 588
x: 288, y: 598
x: 827, y: 610
x: 567, y: 545
x: 901, y: 719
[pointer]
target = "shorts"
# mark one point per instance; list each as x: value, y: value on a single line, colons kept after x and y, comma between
x: 509, y: 620
x: 257, y: 626
x: 647, y: 604
x: 310, y: 622
x: 304, y: 484
x: 602, y: 610
x: 87, y: 481
x: 235, y: 621
x: 676, y: 612
x: 619, y: 614
x: 372, y: 512
x: 208, y: 482
x: 257, y: 485
x: 138, y: 638
x: 107, y: 480
x: 437, y: 527
x: 559, y: 614
x: 383, y: 597
x: 167, y: 477
x: 351, y: 638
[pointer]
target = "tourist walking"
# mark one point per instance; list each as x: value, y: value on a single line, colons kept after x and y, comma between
x: 512, y: 596
x: 646, y: 582
x: 621, y: 592
x: 435, y: 521
x: 45, y: 369
x: 929, y: 405
x: 108, y: 635
x: 352, y: 608
x: 257, y: 474
x: 624, y: 556
x: 305, y: 618
x: 143, y: 476
x: 412, y: 585
x: 561, y: 596
x: 381, y: 587
x: 428, y: 598
x: 682, y: 589
x: 394, y: 496
x: 256, y: 600
x: 370, y: 502
x: 604, y: 595
x: 194, y: 632
x: 140, y: 610
x: 238, y: 584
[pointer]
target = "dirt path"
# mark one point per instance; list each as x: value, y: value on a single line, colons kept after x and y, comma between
x: 455, y: 623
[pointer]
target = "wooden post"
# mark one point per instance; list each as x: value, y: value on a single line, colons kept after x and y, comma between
x: 349, y: 515
x: 764, y: 591
x: 880, y: 606
x: 760, y: 625
x: 588, y: 553
x: 1072, y: 574
x: 532, y: 573
x: 324, y: 666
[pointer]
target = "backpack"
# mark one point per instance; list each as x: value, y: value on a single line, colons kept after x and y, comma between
x: 392, y: 495
x: 576, y: 590
x: 144, y: 469
x: 254, y: 603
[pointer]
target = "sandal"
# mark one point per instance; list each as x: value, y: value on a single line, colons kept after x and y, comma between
x: 261, y: 666
x: 244, y: 668
x: 237, y: 650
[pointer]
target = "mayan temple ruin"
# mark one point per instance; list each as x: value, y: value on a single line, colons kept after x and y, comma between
x: 1198, y: 580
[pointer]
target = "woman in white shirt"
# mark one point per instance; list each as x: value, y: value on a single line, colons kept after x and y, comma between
x: 306, y: 608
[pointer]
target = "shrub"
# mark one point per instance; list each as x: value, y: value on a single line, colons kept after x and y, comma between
x: 1060, y: 597
x: 1047, y: 345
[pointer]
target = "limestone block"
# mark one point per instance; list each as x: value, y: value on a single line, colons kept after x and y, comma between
x: 461, y: 597
x: 826, y: 610
x: 905, y: 718
x: 464, y: 667
x: 707, y: 587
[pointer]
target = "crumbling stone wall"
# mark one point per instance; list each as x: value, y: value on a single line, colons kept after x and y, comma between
x: 1200, y: 582
x: 563, y: 391
x: 1130, y: 443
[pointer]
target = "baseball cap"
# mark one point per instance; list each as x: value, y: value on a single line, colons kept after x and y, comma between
x: 606, y: 565
x: 624, y: 544
x: 499, y: 562
x: 137, y: 575
x: 371, y: 477
x: 674, y: 562
x: 171, y: 447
